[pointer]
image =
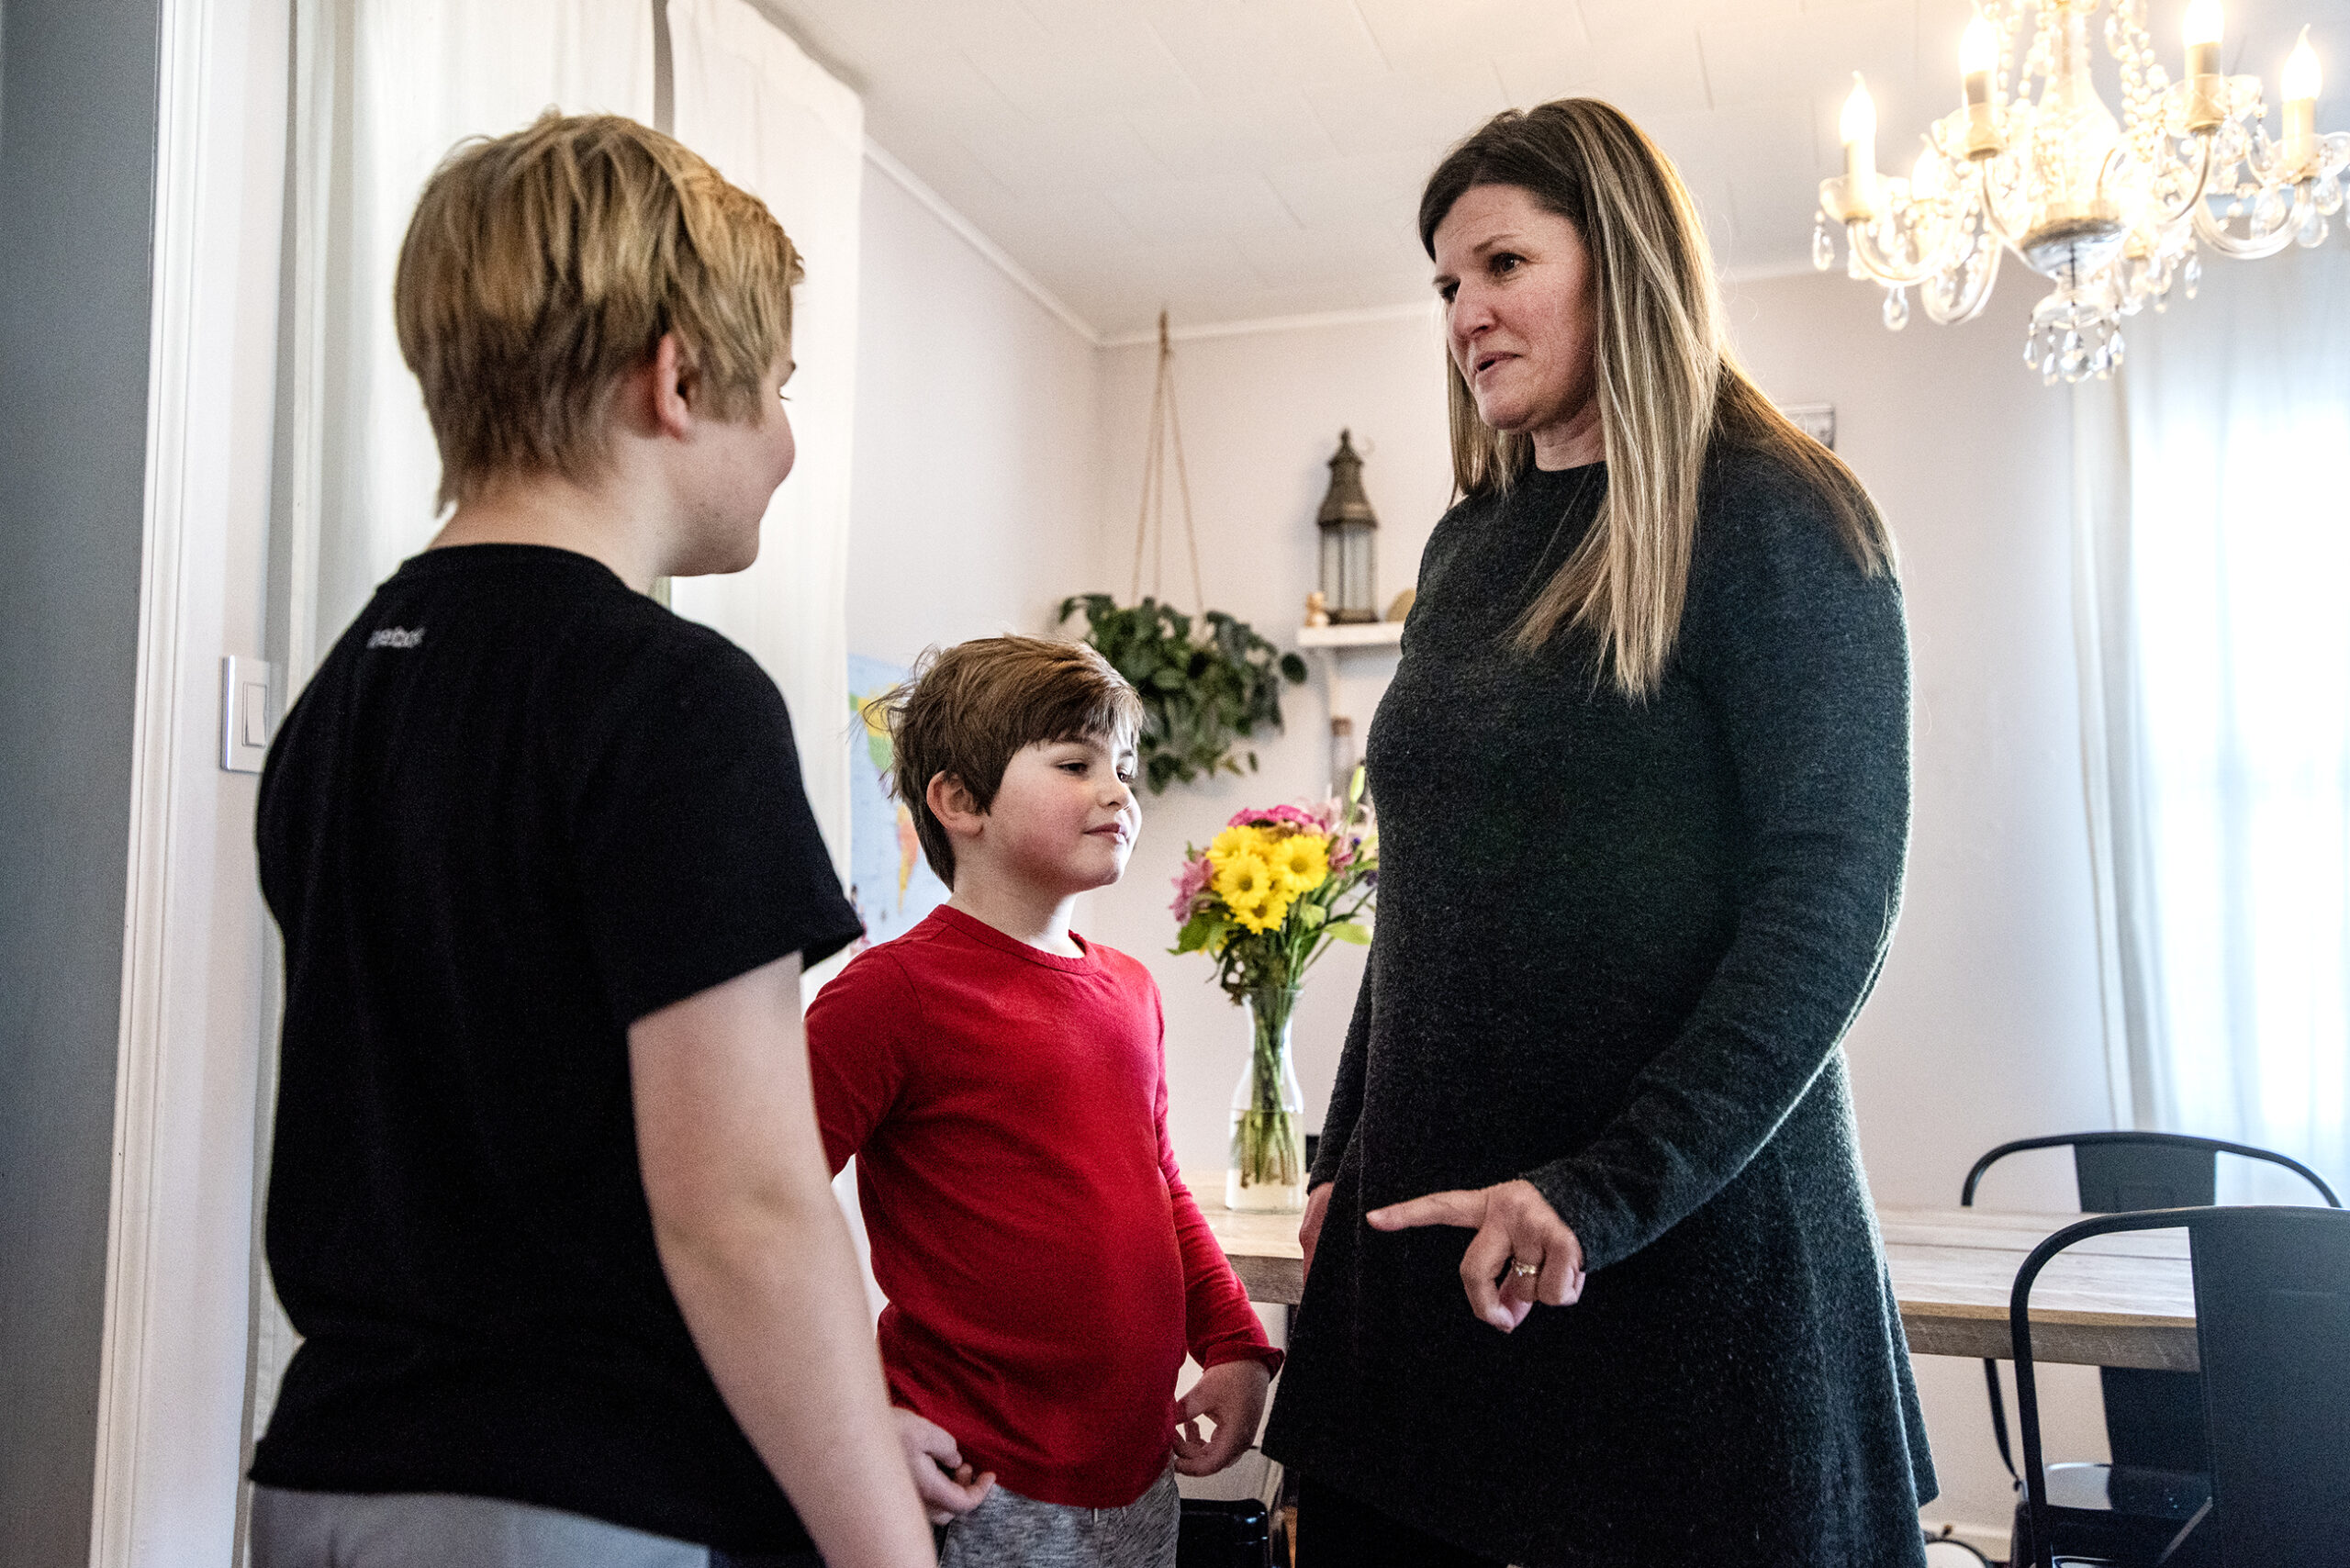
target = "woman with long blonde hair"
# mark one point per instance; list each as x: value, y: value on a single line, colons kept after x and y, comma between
x: 1643, y: 784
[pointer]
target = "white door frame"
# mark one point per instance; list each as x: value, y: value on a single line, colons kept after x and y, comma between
x: 170, y: 1441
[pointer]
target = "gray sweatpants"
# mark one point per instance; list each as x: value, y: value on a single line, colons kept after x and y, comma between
x: 1012, y: 1532
x: 432, y: 1529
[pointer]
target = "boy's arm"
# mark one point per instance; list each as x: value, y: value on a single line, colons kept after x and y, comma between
x: 853, y: 1056
x: 759, y: 1259
x: 1220, y: 1328
x: 1219, y: 1324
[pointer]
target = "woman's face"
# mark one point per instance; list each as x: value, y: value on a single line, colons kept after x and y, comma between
x: 1520, y: 320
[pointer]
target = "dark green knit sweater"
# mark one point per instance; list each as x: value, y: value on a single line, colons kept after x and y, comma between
x: 1617, y: 946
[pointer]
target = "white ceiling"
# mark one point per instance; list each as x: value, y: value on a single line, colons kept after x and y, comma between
x: 1242, y: 159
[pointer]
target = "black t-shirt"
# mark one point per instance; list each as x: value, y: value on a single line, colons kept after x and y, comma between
x: 519, y: 808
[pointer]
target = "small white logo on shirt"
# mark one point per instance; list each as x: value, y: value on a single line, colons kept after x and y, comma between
x: 395, y: 637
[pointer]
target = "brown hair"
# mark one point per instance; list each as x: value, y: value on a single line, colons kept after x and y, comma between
x: 970, y: 708
x: 543, y: 266
x: 1672, y: 399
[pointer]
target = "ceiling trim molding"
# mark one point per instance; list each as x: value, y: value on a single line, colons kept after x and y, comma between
x: 1419, y: 310
x: 946, y: 212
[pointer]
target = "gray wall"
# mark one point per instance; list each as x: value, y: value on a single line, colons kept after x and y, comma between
x: 77, y: 138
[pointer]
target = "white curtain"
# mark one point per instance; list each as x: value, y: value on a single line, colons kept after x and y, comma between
x: 774, y: 123
x: 2215, y: 598
x: 777, y: 124
x: 383, y: 89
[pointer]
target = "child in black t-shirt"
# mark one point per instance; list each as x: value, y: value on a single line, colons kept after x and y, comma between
x: 548, y: 1205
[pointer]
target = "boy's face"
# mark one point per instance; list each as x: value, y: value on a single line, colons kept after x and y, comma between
x: 735, y: 474
x: 1065, y: 817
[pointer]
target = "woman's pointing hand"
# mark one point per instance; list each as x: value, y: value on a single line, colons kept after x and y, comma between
x: 1523, y: 1252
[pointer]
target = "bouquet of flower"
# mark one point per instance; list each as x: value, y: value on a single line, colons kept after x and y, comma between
x: 1265, y: 899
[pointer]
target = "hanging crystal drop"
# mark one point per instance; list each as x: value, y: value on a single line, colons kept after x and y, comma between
x: 2192, y: 275
x: 2113, y: 353
x: 2073, y: 361
x: 2329, y: 196
x: 1823, y: 249
x: 2269, y: 210
x: 2314, y: 229
x: 1896, y: 309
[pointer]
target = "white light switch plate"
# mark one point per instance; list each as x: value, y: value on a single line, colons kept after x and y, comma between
x: 248, y: 713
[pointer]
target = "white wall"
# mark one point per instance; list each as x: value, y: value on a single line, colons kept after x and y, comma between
x: 1986, y: 1025
x: 971, y: 497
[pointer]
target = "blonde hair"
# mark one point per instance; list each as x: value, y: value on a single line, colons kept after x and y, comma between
x: 969, y: 708
x: 541, y: 266
x: 1672, y: 400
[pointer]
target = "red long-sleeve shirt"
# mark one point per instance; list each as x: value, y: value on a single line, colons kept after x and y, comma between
x: 1045, y: 1266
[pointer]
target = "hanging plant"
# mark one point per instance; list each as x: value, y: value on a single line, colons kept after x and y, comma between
x: 1202, y: 696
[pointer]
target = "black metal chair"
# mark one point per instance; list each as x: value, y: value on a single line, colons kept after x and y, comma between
x: 2154, y: 1420
x: 2272, y: 1331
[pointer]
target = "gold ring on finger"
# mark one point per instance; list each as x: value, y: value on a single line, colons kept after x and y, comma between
x: 1521, y: 1270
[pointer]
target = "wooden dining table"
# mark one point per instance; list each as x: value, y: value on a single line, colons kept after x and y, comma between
x: 2114, y: 1301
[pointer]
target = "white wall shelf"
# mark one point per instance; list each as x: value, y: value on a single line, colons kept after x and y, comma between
x: 1360, y: 635
x: 1327, y: 645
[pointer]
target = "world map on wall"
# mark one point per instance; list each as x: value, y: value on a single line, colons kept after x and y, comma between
x: 890, y: 883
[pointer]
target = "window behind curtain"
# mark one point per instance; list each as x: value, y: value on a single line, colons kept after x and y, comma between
x: 2216, y: 489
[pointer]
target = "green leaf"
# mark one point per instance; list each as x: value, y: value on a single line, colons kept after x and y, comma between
x: 1349, y: 931
x: 1197, y: 933
x: 1204, y: 685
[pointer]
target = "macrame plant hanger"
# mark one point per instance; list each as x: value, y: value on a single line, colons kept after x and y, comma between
x: 1150, y: 524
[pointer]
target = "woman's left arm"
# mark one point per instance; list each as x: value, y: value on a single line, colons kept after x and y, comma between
x: 1805, y: 663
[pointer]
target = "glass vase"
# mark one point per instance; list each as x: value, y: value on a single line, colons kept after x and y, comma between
x: 1267, y: 1169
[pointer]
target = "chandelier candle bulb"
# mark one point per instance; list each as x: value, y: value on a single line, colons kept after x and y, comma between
x: 2205, y: 24
x: 2203, y: 29
x: 1926, y: 178
x: 1978, y: 57
x: 1857, y: 125
x: 2301, y: 82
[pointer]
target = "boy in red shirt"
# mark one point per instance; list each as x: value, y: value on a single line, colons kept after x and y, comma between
x: 1000, y: 1080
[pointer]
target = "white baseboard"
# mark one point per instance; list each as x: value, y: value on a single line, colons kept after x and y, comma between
x: 1991, y: 1541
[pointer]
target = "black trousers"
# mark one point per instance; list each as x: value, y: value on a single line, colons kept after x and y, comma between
x: 1334, y: 1530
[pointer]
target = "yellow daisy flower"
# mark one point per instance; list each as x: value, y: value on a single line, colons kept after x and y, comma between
x: 1265, y: 916
x: 1246, y: 883
x: 1301, y: 861
x: 1234, y: 842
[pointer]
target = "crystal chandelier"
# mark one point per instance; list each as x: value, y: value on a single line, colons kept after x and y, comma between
x: 2114, y: 212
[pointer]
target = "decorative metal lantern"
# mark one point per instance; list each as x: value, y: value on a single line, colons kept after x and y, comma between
x: 1350, y: 541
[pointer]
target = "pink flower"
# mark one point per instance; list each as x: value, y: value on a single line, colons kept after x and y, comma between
x: 1189, y: 883
x: 1277, y: 816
